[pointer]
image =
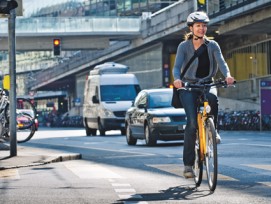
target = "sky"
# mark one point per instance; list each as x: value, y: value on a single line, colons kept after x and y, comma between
x: 30, y: 6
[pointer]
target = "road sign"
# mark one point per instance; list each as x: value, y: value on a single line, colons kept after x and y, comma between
x: 265, y: 93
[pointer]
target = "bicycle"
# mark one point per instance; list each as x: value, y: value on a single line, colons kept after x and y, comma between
x: 26, y: 115
x: 206, y: 146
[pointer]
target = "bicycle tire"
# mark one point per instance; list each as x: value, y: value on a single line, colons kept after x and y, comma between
x: 198, y: 165
x: 24, y: 133
x: 211, y: 154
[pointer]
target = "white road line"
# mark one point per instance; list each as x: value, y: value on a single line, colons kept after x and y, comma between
x: 90, y: 171
x: 121, y: 184
x: 125, y: 190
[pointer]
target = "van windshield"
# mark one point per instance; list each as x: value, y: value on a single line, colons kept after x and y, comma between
x: 119, y: 92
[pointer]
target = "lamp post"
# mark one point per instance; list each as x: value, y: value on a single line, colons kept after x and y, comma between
x: 7, y: 7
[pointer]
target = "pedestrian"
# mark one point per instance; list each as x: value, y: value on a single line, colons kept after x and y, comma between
x: 202, y: 69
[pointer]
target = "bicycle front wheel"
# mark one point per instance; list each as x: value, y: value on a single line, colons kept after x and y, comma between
x: 25, y: 117
x: 211, y: 154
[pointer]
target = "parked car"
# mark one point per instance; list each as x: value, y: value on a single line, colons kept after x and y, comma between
x: 31, y: 113
x: 152, y: 118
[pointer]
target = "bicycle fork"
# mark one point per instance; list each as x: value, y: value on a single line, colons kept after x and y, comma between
x: 202, y: 115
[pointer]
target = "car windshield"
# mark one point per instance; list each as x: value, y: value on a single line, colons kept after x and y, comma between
x: 160, y: 99
x: 119, y: 92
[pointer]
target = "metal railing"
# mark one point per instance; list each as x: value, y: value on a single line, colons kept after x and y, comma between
x: 78, y: 25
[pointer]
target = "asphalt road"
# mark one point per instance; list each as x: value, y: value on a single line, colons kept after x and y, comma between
x: 110, y: 171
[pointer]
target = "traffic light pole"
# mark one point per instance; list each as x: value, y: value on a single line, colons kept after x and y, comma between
x: 12, y: 72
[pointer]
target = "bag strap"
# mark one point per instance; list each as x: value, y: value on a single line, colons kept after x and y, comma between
x: 197, y: 53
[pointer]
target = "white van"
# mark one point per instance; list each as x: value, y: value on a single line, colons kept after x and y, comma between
x: 109, y: 92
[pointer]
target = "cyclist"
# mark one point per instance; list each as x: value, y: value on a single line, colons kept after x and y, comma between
x: 202, y: 69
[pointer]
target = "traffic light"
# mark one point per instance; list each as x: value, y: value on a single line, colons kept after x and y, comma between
x: 57, y: 46
x: 7, y: 5
x: 201, y: 4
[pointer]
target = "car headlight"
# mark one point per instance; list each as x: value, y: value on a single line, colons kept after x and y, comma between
x: 160, y: 119
x: 106, y: 113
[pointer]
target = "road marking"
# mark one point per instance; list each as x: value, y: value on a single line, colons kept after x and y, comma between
x: 126, y: 193
x: 178, y: 169
x: 85, y: 170
x: 9, y: 174
x: 120, y: 184
x: 266, y: 183
x: 259, y: 166
x: 108, y: 150
x: 126, y: 190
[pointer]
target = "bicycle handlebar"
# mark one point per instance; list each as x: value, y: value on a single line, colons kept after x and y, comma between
x: 202, y: 86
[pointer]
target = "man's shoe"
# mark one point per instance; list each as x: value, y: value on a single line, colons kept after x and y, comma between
x: 188, y: 172
x: 218, y: 138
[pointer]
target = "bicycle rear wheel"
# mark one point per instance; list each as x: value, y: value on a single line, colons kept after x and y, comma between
x: 211, y: 154
x: 198, y: 165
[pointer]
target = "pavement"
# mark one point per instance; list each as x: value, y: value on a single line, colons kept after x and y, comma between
x: 29, y: 156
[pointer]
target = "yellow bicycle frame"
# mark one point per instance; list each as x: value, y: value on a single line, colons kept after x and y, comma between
x: 202, y: 116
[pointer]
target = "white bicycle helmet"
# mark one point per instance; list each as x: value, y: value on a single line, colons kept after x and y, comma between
x: 197, y: 17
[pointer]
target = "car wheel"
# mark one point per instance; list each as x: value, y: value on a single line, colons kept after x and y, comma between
x: 149, y: 137
x: 129, y: 137
x: 101, y: 129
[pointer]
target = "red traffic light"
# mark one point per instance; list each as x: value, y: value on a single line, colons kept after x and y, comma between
x: 57, y: 46
x: 56, y: 42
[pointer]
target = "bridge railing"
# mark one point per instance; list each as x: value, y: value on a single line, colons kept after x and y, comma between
x: 73, y: 25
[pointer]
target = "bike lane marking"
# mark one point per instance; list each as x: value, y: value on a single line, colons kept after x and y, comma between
x: 90, y: 170
x: 126, y: 193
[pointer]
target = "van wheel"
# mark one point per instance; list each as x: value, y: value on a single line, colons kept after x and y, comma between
x: 101, y: 129
x: 93, y: 132
x: 149, y: 137
x: 88, y: 130
x: 129, y: 137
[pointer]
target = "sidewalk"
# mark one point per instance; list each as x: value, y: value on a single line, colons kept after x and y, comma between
x: 29, y: 156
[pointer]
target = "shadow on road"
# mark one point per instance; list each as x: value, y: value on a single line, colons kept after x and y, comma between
x: 183, y: 192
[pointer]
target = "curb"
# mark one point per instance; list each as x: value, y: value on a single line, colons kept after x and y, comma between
x: 50, y: 159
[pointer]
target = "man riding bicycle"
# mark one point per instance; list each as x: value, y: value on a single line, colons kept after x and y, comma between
x: 202, y: 69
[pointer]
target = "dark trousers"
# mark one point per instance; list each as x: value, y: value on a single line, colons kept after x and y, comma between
x: 189, y: 100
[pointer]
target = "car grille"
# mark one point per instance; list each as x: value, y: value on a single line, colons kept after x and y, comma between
x: 178, y: 118
x: 120, y: 113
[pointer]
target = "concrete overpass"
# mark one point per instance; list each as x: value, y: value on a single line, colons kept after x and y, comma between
x: 76, y: 33
x: 246, y: 18
x: 241, y: 24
